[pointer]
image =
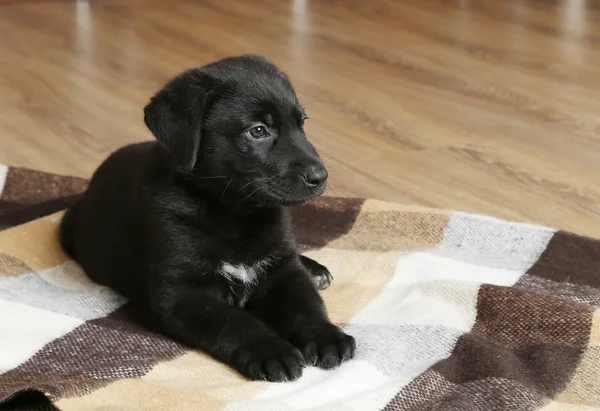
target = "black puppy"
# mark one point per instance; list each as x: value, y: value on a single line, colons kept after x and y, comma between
x: 194, y: 227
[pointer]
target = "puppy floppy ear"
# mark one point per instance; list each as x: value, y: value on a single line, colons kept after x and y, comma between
x: 175, y: 115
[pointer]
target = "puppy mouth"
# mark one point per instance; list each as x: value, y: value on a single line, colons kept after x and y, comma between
x: 290, y: 200
x: 274, y: 194
x: 320, y: 190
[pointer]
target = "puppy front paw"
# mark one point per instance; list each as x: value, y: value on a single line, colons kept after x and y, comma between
x: 321, y: 278
x: 325, y: 346
x: 319, y: 274
x: 272, y: 359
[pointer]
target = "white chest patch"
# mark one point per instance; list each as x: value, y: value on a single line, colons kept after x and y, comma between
x: 246, y: 274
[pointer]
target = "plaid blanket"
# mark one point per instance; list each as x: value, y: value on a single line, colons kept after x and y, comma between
x: 450, y: 311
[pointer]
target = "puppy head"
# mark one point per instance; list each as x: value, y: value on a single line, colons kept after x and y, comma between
x: 236, y: 126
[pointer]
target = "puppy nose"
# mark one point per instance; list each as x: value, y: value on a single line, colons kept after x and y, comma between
x: 315, y: 177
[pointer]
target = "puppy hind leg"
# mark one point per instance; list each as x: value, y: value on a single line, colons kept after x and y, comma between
x: 67, y: 230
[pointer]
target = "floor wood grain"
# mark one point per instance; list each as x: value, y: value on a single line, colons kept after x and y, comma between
x: 485, y: 106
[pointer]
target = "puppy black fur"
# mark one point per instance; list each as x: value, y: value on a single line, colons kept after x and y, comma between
x: 195, y: 229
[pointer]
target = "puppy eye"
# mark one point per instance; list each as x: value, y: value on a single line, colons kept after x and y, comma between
x: 258, y: 132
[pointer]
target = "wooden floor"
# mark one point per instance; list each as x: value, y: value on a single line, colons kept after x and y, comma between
x: 480, y: 105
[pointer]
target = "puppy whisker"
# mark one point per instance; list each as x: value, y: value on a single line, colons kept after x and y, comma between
x: 331, y: 191
x: 222, y: 194
x: 250, y: 195
x: 209, y: 177
x: 316, y: 190
x: 244, y: 186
